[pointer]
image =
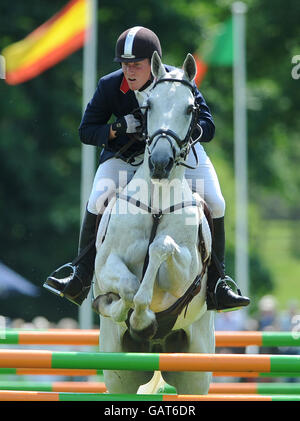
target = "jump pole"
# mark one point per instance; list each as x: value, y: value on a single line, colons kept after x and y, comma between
x: 261, y: 339
x: 255, y: 374
x: 255, y: 388
x: 11, y: 395
x: 50, y: 372
x: 84, y: 337
x: 90, y: 372
x: 90, y: 337
x: 100, y: 387
x: 75, y: 387
x: 149, y: 361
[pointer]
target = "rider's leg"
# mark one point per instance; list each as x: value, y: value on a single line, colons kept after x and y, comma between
x: 219, y: 294
x: 110, y: 175
x: 76, y: 286
x: 204, y: 181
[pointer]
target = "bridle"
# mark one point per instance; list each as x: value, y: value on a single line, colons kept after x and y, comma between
x: 184, y: 144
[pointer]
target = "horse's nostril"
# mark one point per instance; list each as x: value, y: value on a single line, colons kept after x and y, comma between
x: 150, y: 163
x: 170, y: 164
x: 159, y: 166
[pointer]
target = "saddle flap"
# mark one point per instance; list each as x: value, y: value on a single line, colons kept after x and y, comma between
x: 206, y: 235
x: 205, y: 230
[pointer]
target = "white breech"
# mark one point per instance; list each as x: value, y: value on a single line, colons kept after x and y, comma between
x: 115, y: 173
x: 204, y: 180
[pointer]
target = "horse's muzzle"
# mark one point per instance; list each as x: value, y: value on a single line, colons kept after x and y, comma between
x: 160, y: 165
x: 160, y: 170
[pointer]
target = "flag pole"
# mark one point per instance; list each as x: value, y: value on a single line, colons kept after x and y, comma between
x: 239, y: 10
x: 87, y: 151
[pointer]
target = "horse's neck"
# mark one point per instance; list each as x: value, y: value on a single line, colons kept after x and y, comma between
x: 159, y: 195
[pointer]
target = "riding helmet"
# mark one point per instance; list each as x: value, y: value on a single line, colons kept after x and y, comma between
x: 136, y: 44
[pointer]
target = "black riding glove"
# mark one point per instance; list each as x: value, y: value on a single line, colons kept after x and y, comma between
x: 127, y: 124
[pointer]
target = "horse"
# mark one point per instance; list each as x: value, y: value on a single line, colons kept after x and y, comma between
x: 150, y: 267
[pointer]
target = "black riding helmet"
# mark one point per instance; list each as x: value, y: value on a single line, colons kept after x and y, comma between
x: 136, y: 44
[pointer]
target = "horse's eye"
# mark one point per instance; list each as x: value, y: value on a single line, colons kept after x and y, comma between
x: 189, y: 109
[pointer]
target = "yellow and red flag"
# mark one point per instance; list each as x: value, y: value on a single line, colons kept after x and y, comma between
x: 50, y: 43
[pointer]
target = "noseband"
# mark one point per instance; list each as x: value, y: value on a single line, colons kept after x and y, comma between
x: 184, y: 144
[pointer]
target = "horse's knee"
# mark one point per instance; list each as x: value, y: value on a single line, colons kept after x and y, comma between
x: 111, y: 305
x: 103, y: 302
x: 129, y: 286
x: 163, y: 247
x: 217, y: 206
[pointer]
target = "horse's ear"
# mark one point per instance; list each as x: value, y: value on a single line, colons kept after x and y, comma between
x: 190, y: 67
x: 157, y: 67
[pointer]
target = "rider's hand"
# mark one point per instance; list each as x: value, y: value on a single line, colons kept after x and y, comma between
x: 126, y: 124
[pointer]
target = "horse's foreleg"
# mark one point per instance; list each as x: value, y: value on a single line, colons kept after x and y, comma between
x: 142, y: 317
x: 118, y: 286
x: 201, y: 339
x: 118, y: 381
x: 174, y: 274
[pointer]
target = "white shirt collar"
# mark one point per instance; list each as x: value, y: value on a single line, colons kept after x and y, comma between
x: 142, y: 96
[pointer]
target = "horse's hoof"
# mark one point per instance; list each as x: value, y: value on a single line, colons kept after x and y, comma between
x: 145, y: 334
x: 100, y: 303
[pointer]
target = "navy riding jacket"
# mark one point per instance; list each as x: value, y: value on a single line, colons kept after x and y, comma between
x: 114, y: 98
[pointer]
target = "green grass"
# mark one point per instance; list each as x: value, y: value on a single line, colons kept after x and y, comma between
x: 280, y: 249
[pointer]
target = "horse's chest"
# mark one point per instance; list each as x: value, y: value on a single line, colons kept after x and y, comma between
x: 178, y: 228
x: 133, y: 233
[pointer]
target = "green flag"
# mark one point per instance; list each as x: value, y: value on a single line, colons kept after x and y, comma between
x: 221, y: 52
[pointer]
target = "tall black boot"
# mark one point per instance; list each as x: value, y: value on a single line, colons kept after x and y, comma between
x: 220, y: 296
x: 75, y: 287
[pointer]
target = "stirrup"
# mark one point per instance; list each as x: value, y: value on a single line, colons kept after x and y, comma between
x: 56, y: 291
x: 229, y: 281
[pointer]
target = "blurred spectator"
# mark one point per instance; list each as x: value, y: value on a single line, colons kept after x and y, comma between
x: 67, y: 323
x: 268, y: 316
x: 288, y: 322
x: 41, y: 323
x: 288, y: 317
x: 231, y: 320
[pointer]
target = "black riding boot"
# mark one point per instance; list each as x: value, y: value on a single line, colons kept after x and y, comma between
x: 220, y: 296
x: 76, y: 286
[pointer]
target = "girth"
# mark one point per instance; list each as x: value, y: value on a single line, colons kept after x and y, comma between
x: 166, y: 319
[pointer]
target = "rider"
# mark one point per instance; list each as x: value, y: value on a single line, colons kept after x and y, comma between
x: 119, y: 94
